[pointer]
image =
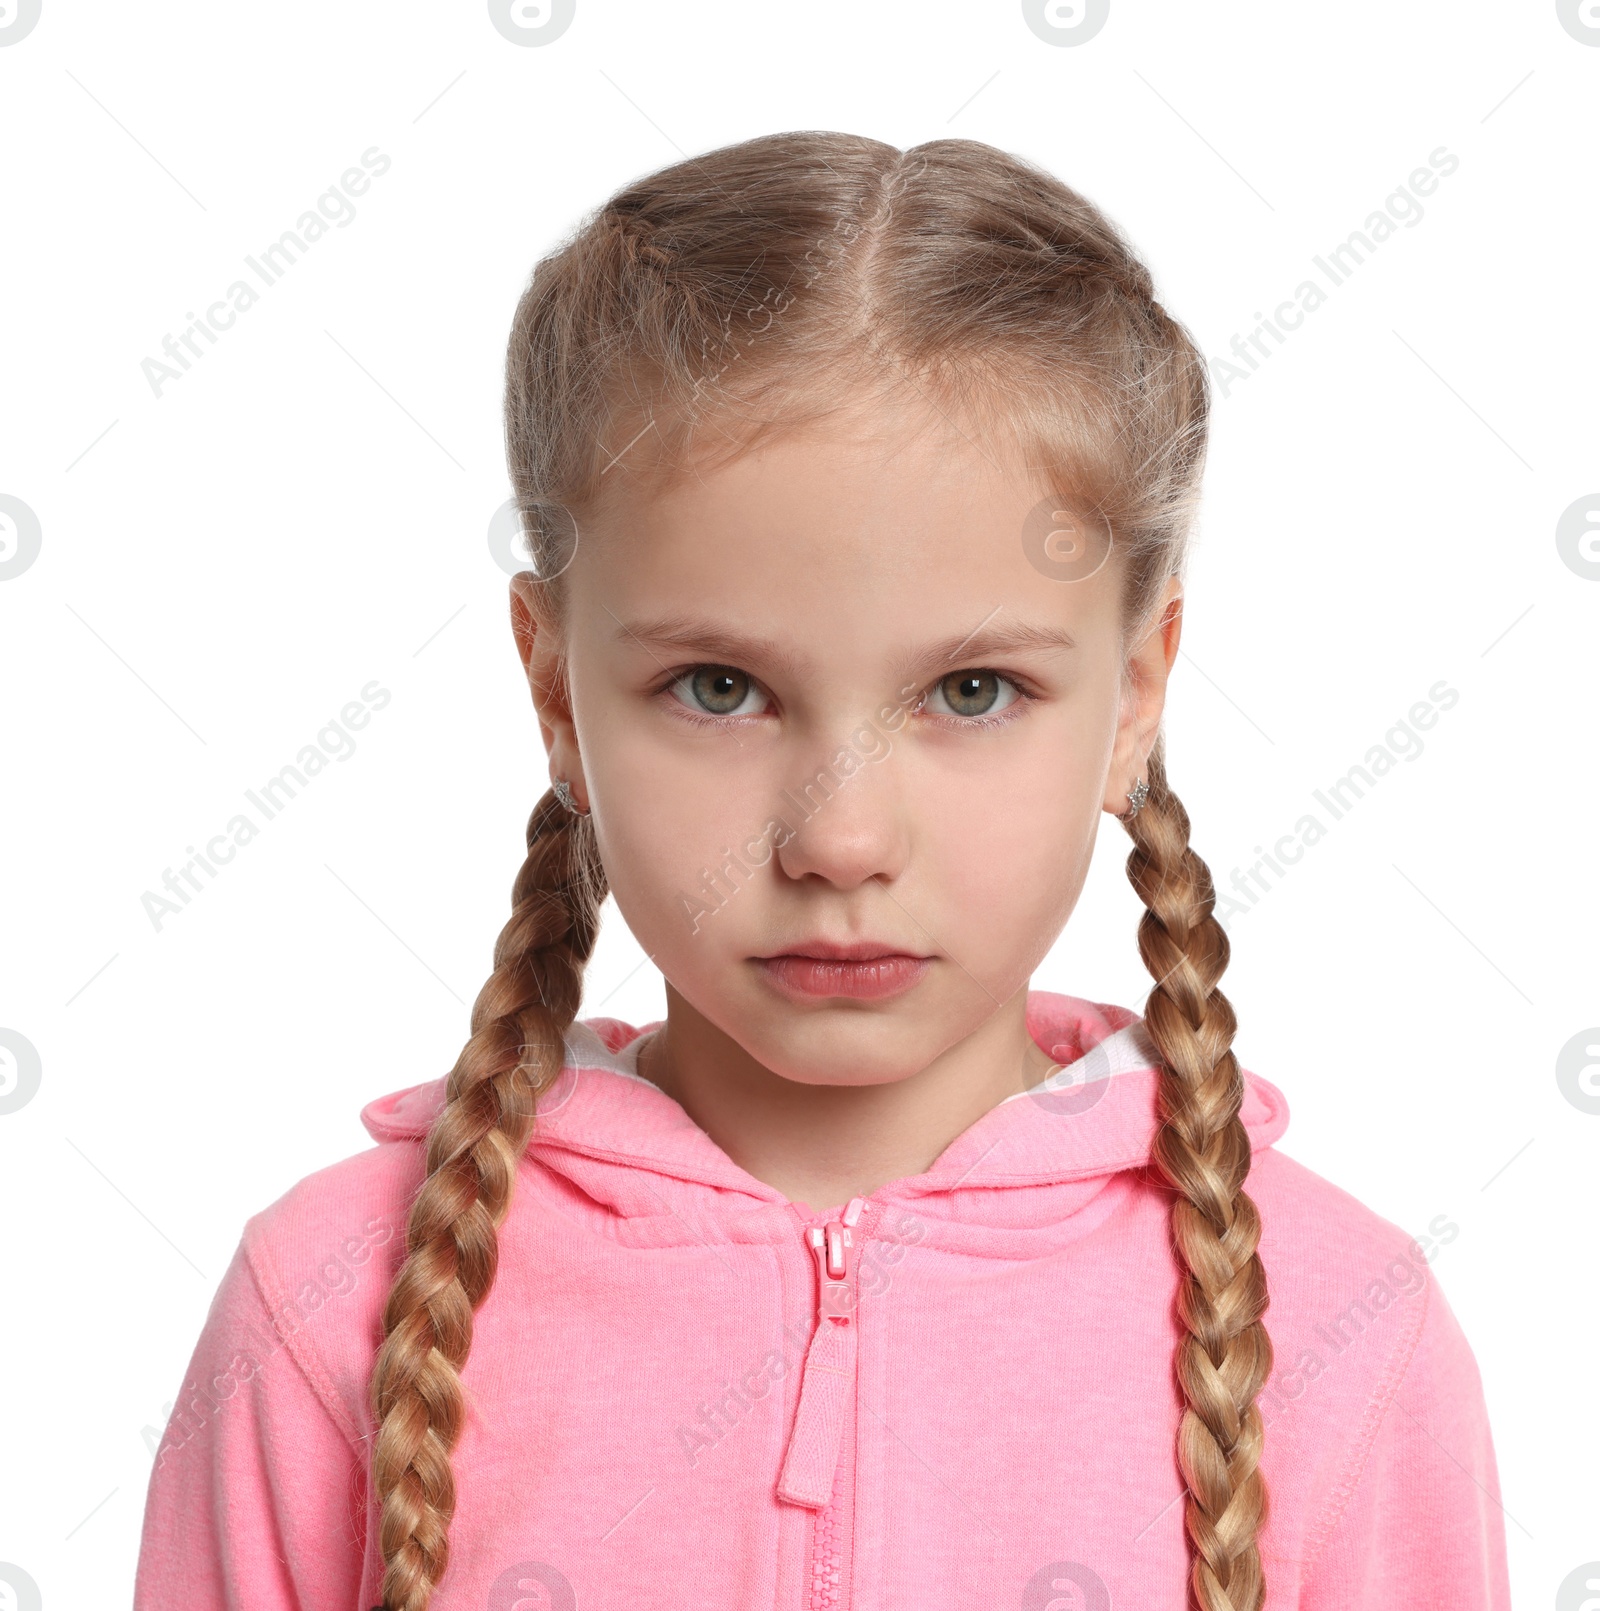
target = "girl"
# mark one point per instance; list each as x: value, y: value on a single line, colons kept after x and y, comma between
x: 857, y: 483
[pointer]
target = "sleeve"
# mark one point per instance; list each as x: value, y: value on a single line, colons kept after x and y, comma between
x: 1419, y: 1522
x: 258, y: 1497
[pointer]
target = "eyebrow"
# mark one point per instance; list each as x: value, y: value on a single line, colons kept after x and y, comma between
x: 719, y: 645
x: 1002, y: 638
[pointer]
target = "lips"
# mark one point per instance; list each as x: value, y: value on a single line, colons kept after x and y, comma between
x: 864, y: 970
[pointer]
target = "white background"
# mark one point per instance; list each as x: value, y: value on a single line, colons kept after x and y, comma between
x: 224, y: 567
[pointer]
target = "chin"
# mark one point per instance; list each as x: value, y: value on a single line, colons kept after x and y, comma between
x: 845, y: 1044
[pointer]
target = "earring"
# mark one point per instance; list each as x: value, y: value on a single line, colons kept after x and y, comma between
x: 1137, y: 796
x: 563, y: 792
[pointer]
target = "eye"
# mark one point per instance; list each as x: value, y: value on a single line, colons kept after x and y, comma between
x: 719, y: 691
x: 971, y: 694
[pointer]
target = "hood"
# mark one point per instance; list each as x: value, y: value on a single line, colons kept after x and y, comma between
x: 1095, y: 1116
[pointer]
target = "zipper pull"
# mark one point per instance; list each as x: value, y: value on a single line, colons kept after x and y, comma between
x: 829, y: 1372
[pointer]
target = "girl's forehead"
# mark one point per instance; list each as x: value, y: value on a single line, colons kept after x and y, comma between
x: 897, y: 523
x: 785, y: 575
x: 867, y: 435
x: 861, y: 496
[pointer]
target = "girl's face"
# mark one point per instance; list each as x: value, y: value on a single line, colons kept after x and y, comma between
x: 837, y: 693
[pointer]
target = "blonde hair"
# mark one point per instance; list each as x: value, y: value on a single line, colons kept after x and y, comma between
x: 744, y: 291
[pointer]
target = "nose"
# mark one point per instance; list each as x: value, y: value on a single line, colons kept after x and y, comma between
x: 849, y: 819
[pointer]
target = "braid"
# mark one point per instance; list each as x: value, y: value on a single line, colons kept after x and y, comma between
x: 1202, y: 1151
x: 515, y: 1051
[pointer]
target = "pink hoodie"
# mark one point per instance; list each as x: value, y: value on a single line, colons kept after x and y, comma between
x: 685, y: 1390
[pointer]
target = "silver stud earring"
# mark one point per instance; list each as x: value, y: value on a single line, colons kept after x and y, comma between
x: 563, y: 792
x: 1137, y: 796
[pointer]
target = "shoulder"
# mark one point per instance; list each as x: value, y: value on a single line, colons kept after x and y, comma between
x: 1377, y: 1443
x: 1336, y: 1269
x: 1341, y: 1277
x: 323, y: 1257
x: 1359, y: 1328
x: 1326, y: 1233
x: 338, y: 1217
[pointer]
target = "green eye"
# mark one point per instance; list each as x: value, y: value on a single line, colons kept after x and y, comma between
x: 717, y: 690
x: 972, y: 693
x: 721, y: 692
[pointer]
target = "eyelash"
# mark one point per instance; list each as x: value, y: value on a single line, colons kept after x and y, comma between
x: 1017, y: 707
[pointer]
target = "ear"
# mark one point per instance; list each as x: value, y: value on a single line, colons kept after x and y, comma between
x: 543, y: 658
x: 1149, y: 663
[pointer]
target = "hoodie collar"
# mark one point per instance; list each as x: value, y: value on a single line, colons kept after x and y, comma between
x: 1094, y: 1116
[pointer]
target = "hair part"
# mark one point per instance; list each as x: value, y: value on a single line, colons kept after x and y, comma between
x: 749, y: 290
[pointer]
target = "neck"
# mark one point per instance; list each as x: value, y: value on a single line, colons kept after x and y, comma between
x: 820, y: 1145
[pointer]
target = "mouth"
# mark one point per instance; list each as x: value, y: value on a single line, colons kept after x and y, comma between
x: 865, y: 970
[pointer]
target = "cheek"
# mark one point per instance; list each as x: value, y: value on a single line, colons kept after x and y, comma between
x: 1013, y: 840
x: 1009, y: 868
x: 661, y: 828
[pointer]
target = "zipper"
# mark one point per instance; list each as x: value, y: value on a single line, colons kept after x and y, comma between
x: 811, y: 1464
